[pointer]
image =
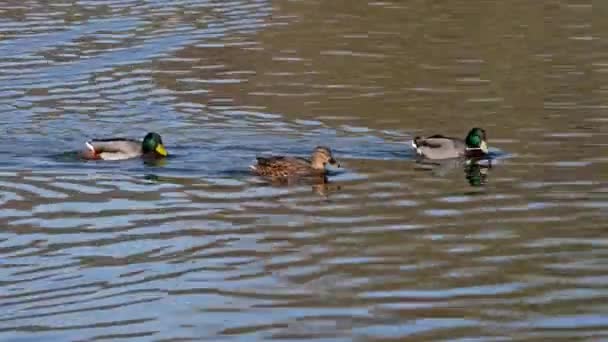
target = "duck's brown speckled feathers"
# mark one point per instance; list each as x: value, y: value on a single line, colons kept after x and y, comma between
x: 285, y: 167
x: 280, y: 166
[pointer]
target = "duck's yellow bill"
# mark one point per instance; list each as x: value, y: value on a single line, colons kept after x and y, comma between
x: 160, y: 149
x: 484, y: 147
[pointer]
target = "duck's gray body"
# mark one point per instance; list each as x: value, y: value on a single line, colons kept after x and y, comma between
x: 115, y: 149
x: 120, y: 148
x: 439, y: 147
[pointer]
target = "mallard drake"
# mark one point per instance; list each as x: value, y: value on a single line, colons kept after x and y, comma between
x: 441, y: 147
x: 120, y: 148
x: 287, y: 167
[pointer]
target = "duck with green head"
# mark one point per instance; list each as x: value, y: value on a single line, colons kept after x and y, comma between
x: 442, y: 147
x: 120, y: 148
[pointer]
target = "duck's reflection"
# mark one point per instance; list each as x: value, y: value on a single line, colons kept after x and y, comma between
x: 319, y: 185
x: 475, y: 170
x: 325, y: 189
x: 476, y: 173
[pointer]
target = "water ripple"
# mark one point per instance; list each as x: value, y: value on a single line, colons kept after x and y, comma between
x: 195, y: 247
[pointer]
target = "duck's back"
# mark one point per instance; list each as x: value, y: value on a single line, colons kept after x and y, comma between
x: 115, y: 149
x: 440, y: 147
x: 280, y: 166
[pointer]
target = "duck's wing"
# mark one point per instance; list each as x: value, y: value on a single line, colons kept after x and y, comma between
x: 114, y: 145
x: 439, y: 147
x: 280, y: 166
x: 436, y: 141
x: 269, y: 161
x: 282, y: 161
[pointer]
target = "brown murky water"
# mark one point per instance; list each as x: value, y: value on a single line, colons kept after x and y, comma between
x: 198, y: 249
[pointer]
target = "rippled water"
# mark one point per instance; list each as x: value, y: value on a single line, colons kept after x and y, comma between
x: 196, y: 248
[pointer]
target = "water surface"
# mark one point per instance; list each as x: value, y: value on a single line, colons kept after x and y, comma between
x: 196, y: 248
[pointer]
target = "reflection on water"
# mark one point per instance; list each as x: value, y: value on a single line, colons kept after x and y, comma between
x: 477, y: 174
x: 475, y: 170
x: 196, y: 247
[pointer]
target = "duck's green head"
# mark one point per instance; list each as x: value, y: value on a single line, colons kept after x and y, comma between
x: 153, y: 143
x: 476, y: 139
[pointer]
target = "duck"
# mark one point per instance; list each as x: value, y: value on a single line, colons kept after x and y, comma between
x: 289, y: 167
x: 122, y: 148
x: 442, y: 147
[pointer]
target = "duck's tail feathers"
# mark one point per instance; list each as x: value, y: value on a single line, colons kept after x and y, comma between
x: 90, y: 146
x: 416, y: 145
x: 415, y: 142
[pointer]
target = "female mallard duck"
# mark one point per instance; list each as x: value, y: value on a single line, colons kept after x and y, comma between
x: 120, y: 148
x: 440, y: 147
x: 287, y: 167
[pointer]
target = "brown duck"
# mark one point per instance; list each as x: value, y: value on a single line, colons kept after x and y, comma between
x: 288, y: 167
